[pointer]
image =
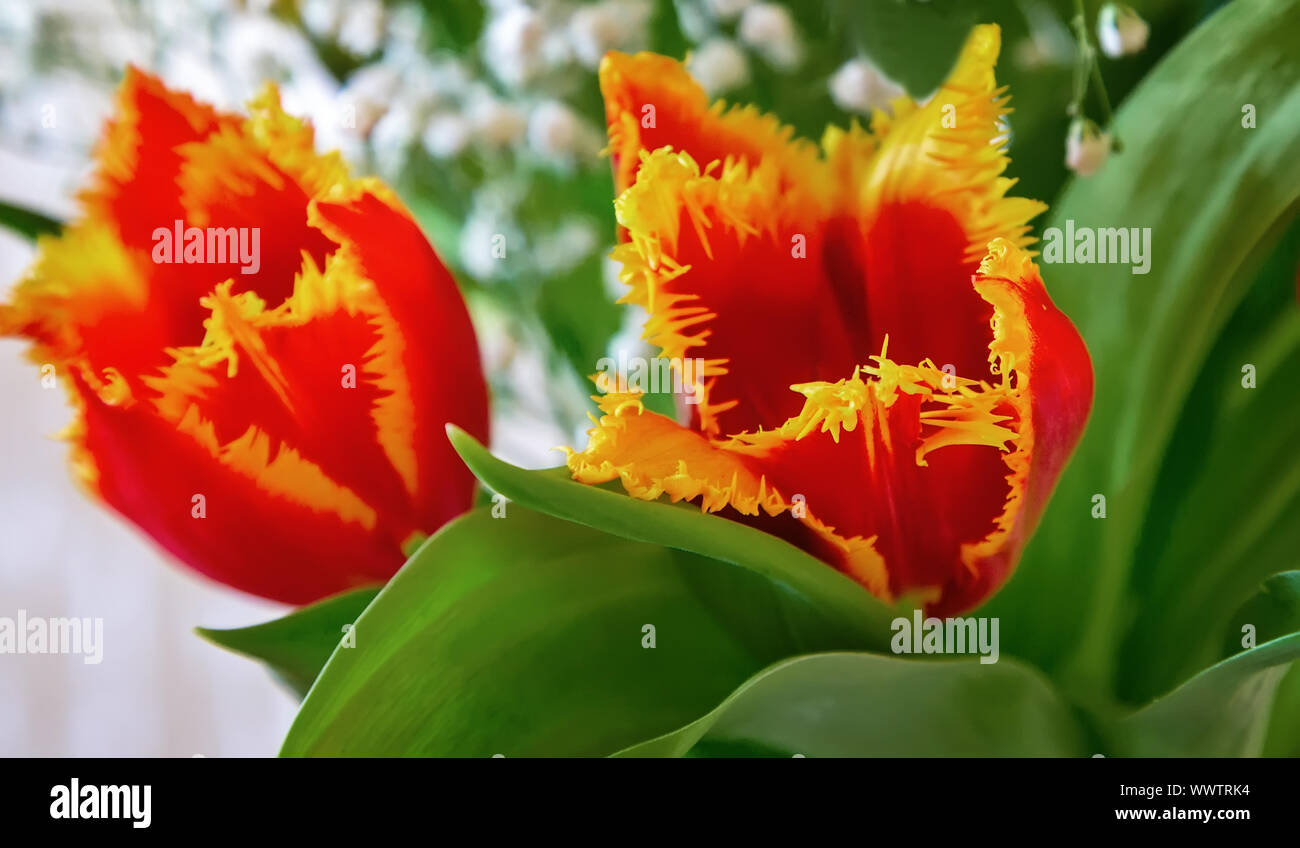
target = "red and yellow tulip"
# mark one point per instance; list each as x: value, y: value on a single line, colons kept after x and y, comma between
x: 885, y: 381
x: 277, y: 425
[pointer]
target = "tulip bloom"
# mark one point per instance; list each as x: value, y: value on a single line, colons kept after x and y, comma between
x: 263, y: 351
x: 885, y: 381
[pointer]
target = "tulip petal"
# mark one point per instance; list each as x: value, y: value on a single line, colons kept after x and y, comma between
x: 652, y: 102
x: 774, y: 273
x: 921, y: 481
x: 151, y: 470
x: 439, y: 353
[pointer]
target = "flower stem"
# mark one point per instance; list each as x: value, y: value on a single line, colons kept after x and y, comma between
x: 1086, y: 66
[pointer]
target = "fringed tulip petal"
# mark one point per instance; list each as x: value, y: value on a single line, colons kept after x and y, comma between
x: 936, y: 397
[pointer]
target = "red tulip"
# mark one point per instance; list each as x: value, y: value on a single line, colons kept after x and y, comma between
x: 883, y: 378
x: 263, y: 350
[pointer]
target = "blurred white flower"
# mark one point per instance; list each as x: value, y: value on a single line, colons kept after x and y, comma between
x: 719, y: 65
x: 725, y: 10
x: 187, y: 64
x: 446, y: 135
x: 565, y: 247
x: 1086, y: 147
x: 369, y: 93
x: 859, y: 86
x: 609, y: 25
x: 769, y: 29
x: 392, y: 137
x: 1120, y: 30
x: 512, y: 43
x: 479, y: 238
x: 496, y: 123
x: 322, y: 18
x: 362, y: 30
x: 256, y: 48
x: 558, y: 133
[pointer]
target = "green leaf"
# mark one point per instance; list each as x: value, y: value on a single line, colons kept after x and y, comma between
x: 1221, y: 712
x: 26, y: 222
x: 685, y: 527
x: 1272, y: 613
x: 1201, y: 554
x: 579, y: 316
x: 863, y: 705
x: 525, y: 636
x: 915, y: 44
x: 1150, y: 336
x: 1284, y: 726
x: 296, y: 647
x: 1275, y: 612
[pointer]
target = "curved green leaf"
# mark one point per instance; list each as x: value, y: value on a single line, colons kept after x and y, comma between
x: 27, y: 222
x: 1274, y: 612
x: 864, y: 705
x: 685, y: 527
x: 1221, y: 712
x: 296, y: 647
x: 526, y: 636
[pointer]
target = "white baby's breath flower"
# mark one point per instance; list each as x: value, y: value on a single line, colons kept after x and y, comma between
x: 362, y: 29
x: 1120, y: 30
x: 392, y: 137
x: 322, y: 18
x: 769, y: 29
x: 561, y: 250
x: 557, y: 132
x: 369, y: 93
x: 609, y: 25
x: 512, y: 44
x: 1086, y: 147
x: 496, y: 123
x: 726, y: 10
x: 719, y: 65
x: 859, y: 86
x: 446, y: 135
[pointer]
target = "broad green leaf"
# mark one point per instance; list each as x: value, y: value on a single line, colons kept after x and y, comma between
x: 1221, y: 712
x: 26, y: 222
x: 1284, y: 726
x: 1202, y: 553
x: 1214, y: 193
x: 864, y: 705
x: 527, y: 636
x: 1274, y: 612
x: 685, y: 527
x: 296, y: 647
